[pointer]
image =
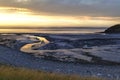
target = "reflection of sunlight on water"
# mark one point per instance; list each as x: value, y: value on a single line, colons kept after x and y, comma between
x: 16, y: 30
x: 50, y: 30
x: 29, y: 48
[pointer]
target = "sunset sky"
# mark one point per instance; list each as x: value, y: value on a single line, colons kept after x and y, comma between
x: 47, y: 13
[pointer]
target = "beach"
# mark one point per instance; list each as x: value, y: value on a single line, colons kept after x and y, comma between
x: 41, y: 57
x: 18, y: 59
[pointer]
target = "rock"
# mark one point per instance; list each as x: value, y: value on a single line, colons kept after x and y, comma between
x: 113, y: 29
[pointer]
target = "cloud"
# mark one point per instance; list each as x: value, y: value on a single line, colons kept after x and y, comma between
x: 95, y: 8
x: 78, y: 7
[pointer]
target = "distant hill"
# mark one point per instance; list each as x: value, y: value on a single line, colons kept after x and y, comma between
x: 113, y: 29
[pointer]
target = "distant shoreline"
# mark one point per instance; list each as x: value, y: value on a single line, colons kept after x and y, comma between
x: 52, y: 27
x: 53, y: 30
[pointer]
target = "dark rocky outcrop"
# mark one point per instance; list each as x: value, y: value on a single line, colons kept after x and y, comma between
x: 113, y: 29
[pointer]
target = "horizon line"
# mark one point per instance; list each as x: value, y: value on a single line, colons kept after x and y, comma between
x: 47, y: 27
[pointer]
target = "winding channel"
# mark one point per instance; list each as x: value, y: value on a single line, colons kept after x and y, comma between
x: 32, y: 48
x: 29, y: 48
x: 104, y: 53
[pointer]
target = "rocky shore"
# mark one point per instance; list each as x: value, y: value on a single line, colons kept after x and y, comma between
x: 83, y: 54
x: 96, y: 49
x: 19, y: 59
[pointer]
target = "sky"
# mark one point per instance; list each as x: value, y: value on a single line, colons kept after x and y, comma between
x: 59, y: 13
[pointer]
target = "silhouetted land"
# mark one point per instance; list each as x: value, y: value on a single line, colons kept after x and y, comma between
x: 113, y: 29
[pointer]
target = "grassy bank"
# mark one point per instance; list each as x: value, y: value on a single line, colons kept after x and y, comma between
x: 12, y: 73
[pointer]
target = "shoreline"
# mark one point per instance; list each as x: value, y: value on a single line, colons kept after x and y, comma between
x: 16, y: 58
x: 20, y: 59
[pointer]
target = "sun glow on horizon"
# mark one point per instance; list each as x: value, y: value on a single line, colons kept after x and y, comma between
x: 28, y: 20
x: 10, y: 16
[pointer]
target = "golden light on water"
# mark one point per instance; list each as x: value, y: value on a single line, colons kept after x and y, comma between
x: 10, y: 16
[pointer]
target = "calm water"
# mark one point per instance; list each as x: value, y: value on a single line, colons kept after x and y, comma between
x: 71, y: 30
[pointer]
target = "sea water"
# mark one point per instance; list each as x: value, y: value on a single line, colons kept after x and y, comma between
x: 54, y: 30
